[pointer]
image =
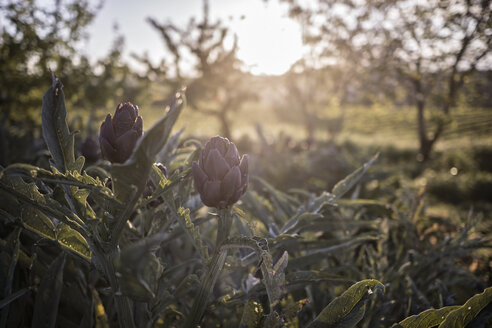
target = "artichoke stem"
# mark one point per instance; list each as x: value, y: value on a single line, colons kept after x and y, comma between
x: 225, y: 218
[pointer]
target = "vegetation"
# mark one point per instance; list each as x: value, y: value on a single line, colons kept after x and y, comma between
x: 334, y: 215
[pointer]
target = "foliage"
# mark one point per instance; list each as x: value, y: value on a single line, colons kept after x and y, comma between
x: 34, y: 40
x: 428, y: 49
x: 219, y: 90
x: 37, y: 37
x: 84, y: 247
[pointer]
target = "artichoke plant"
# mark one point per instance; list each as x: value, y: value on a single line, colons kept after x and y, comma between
x: 90, y: 150
x: 118, y: 135
x: 220, y: 176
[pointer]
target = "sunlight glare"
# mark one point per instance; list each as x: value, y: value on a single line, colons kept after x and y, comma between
x: 269, y: 42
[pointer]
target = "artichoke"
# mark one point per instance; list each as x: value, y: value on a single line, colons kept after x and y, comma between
x: 221, y: 178
x: 118, y: 135
x: 90, y: 150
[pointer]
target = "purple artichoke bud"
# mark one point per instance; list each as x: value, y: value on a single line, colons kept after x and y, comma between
x: 221, y: 178
x: 118, y: 135
x: 90, y: 150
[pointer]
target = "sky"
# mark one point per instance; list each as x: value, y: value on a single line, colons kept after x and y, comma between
x: 269, y: 42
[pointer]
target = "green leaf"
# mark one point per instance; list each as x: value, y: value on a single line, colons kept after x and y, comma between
x: 252, y: 315
x: 38, y: 222
x: 344, y: 185
x: 291, y: 312
x: 55, y: 129
x: 189, y: 283
x: 166, y: 154
x: 182, y: 215
x: 274, y: 276
x: 362, y: 202
x: 348, y: 309
x: 15, y: 243
x: 477, y: 306
x: 315, y: 255
x: 101, y: 317
x: 29, y: 193
x: 72, y: 240
x: 135, y: 171
x: 262, y: 209
x: 293, y: 281
x: 208, y: 283
x: 9, y: 299
x: 139, y: 268
x: 71, y: 178
x: 294, y: 224
x: 283, y: 202
x: 429, y: 318
x: 307, y: 277
x: 273, y: 320
x: 48, y: 296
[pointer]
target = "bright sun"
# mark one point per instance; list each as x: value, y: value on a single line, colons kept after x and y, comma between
x: 269, y: 42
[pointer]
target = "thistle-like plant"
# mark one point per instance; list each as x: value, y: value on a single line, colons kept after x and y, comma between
x: 221, y: 177
x: 120, y: 133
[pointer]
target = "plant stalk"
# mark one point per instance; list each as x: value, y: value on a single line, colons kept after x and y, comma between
x: 214, y: 269
x: 123, y: 308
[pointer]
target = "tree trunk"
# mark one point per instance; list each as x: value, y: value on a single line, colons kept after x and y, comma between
x: 426, y: 142
x: 225, y: 126
x: 310, y: 127
x: 425, y: 148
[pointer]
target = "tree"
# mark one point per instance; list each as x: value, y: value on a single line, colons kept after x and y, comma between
x: 33, y: 41
x: 427, y: 48
x: 220, y: 89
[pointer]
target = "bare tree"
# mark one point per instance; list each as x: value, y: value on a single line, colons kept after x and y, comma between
x: 220, y: 88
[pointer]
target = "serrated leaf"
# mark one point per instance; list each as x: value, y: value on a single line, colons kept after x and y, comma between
x: 139, y: 268
x: 478, y: 305
x: 56, y: 134
x: 429, y: 318
x: 72, y: 178
x: 135, y: 171
x: 346, y: 184
x: 29, y: 193
x: 348, y: 309
x: 48, y: 296
x: 274, y: 276
x: 25, y: 170
x: 72, y: 240
x: 38, y: 222
x: 182, y: 215
x: 252, y: 315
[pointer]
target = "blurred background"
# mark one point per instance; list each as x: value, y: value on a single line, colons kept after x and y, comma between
x: 311, y: 89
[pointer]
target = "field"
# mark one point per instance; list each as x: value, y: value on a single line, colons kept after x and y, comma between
x: 129, y: 244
